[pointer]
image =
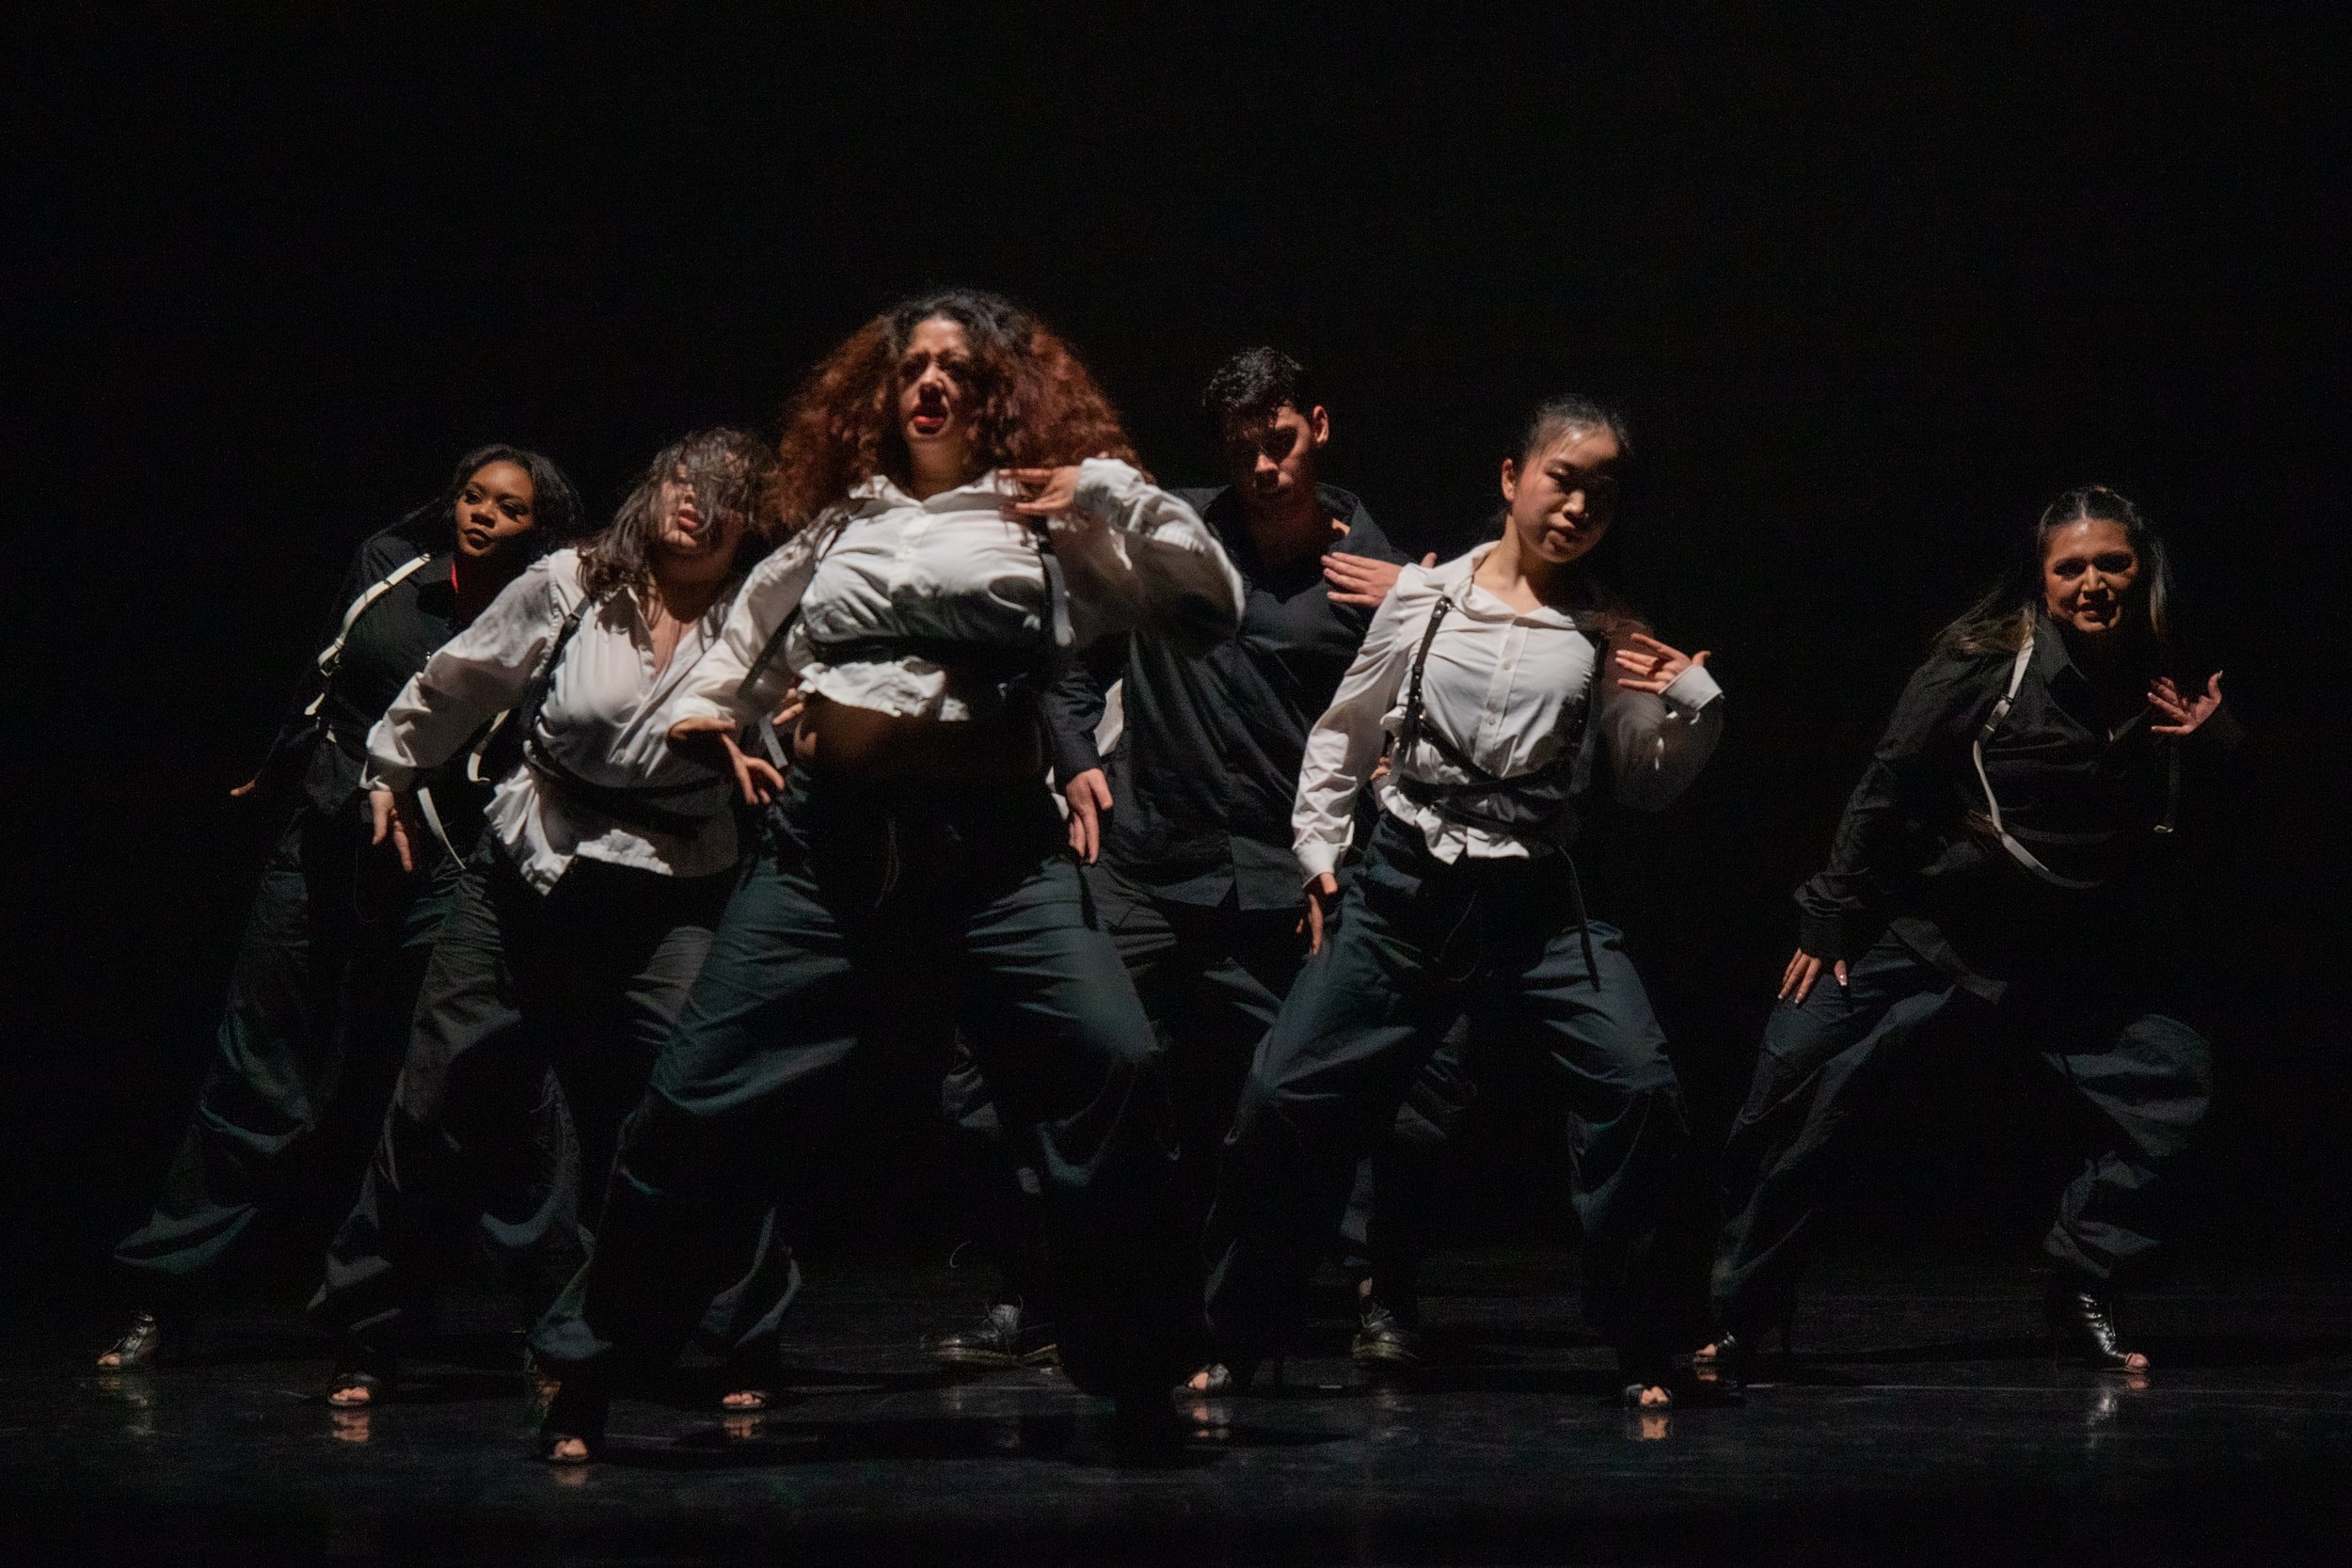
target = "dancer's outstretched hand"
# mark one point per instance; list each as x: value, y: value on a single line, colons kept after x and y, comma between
x: 1363, y: 580
x: 391, y: 814
x: 2184, y: 715
x: 1051, y: 492
x: 1796, y: 981
x: 1322, y: 895
x: 757, y: 777
x: 1651, y: 666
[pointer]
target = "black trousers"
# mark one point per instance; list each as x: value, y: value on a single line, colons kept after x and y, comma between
x: 1212, y: 979
x: 1419, y: 943
x: 309, y: 1044
x: 1847, y: 1050
x: 1391, y: 1223
x: 966, y: 890
x: 588, y: 980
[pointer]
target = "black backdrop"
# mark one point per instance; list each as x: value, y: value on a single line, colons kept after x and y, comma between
x: 1872, y: 292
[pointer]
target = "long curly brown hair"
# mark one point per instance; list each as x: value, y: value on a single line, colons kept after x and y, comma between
x: 1038, y: 407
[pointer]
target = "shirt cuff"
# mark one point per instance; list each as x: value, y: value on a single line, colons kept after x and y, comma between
x: 2221, y: 730
x: 1103, y: 486
x: 1689, y: 692
x: 1823, y: 936
x: 1316, y: 858
x: 385, y: 775
x: 1072, y: 754
x: 700, y: 707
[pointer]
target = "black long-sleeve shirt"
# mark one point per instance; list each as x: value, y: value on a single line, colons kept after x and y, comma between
x: 1207, y: 764
x: 387, y: 644
x: 2082, y: 785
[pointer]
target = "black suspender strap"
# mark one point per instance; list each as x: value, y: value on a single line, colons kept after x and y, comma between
x: 1416, y: 729
x: 1443, y: 797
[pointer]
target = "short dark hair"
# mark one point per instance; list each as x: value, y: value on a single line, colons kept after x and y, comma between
x: 1253, y: 383
x: 557, y: 518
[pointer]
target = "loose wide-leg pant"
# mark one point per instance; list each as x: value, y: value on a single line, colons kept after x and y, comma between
x: 587, y: 979
x: 1391, y: 1220
x: 1419, y: 943
x: 1843, y: 1053
x: 326, y: 973
x: 1212, y: 979
x: 966, y: 889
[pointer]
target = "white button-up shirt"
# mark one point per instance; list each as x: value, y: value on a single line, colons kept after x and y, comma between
x: 605, y: 718
x: 1504, y: 685
x: 959, y: 568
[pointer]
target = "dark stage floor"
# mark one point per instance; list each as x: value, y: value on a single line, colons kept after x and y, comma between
x: 1919, y: 1419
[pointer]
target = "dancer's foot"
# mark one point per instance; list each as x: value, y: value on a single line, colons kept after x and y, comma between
x: 363, y: 1377
x: 358, y: 1390
x: 1386, y: 1339
x: 571, y: 1428
x: 1006, y: 1337
x: 2083, y: 1329
x: 1238, y: 1375
x: 1648, y: 1380
x: 150, y: 1342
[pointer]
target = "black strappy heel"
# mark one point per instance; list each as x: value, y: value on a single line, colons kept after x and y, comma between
x: 574, y: 1414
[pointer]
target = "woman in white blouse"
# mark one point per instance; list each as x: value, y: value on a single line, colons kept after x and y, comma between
x: 1499, y: 675
x: 964, y: 510
x: 584, y: 917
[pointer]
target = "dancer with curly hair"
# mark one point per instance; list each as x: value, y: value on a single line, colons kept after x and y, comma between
x: 963, y: 509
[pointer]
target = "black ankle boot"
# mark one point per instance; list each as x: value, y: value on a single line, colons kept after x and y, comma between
x: 153, y: 1340
x: 1386, y: 1339
x: 1006, y: 1337
x: 2082, y: 1326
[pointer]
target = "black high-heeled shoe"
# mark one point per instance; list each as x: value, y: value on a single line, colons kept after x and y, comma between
x: 1732, y: 1358
x: 364, y: 1377
x: 2081, y: 1319
x: 1644, y: 1369
x: 1224, y: 1379
x: 574, y: 1414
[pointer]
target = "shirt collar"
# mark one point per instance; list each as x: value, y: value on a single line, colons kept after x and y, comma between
x: 1220, y: 508
x: 985, y: 490
x: 2051, y: 656
x: 1453, y: 579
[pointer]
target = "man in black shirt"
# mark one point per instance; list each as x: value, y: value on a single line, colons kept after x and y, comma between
x: 1188, y: 821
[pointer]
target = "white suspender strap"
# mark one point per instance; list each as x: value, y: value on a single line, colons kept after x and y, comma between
x: 474, y: 758
x: 332, y: 653
x: 2017, y: 851
x: 433, y: 820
